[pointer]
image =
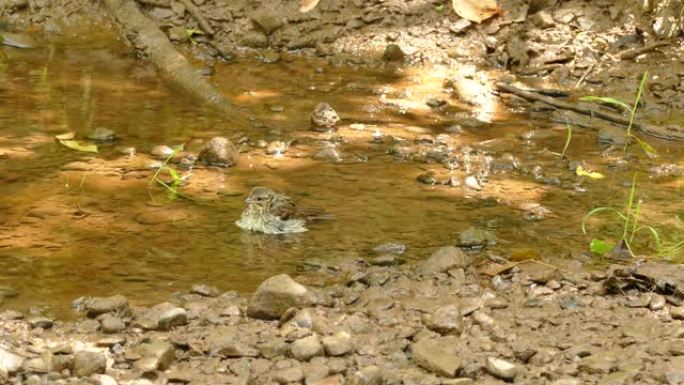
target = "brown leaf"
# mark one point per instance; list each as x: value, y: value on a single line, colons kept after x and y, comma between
x: 307, y: 5
x: 475, y: 10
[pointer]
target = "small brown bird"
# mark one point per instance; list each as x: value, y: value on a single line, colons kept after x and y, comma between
x: 270, y: 212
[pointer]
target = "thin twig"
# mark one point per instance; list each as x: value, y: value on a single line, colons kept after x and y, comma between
x: 197, y: 14
x: 584, y: 75
x: 631, y: 53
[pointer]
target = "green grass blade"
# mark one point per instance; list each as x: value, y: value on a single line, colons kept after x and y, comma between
x: 654, y: 233
x: 636, y: 103
x: 648, y: 149
x: 607, y: 100
x: 598, y: 210
x: 567, y: 141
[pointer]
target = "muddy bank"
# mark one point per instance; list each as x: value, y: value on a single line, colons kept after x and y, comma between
x: 435, y: 322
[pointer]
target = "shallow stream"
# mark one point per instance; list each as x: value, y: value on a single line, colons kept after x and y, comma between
x: 74, y: 224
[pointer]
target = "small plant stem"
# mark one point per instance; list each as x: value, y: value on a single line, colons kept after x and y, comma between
x: 628, y: 212
x: 632, y: 114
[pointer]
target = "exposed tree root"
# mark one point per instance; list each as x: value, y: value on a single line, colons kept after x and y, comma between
x: 667, y: 132
x: 157, y: 48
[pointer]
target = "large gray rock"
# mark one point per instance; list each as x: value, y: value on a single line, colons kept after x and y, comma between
x: 87, y: 363
x: 476, y: 238
x: 437, y: 356
x: 274, y: 296
x: 446, y: 258
x: 99, y: 305
x: 219, y: 152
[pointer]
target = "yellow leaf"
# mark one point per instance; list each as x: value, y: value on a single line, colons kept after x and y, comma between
x: 79, y: 146
x: 591, y: 174
x: 66, y: 136
x: 475, y: 10
x: 307, y: 5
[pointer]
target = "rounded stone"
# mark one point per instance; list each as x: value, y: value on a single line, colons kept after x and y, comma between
x: 306, y: 348
x: 87, y: 363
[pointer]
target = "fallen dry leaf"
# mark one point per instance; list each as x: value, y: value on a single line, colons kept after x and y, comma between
x: 66, y: 136
x: 475, y: 10
x: 79, y: 146
x: 307, y: 5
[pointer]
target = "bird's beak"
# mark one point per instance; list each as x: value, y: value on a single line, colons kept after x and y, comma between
x: 249, y: 201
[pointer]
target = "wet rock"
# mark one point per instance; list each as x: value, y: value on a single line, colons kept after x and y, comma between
x: 276, y: 148
x: 161, y: 151
x: 472, y: 183
x: 268, y: 56
x: 111, y: 324
x: 171, y: 318
x: 445, y: 320
x: 100, y: 305
x: 87, y: 363
x: 204, y: 290
x: 338, y: 344
x: 476, y: 238
x: 391, y: 248
x: 386, y: 260
x: 219, y: 152
x: 324, y: 118
x: 40, y: 322
x: 436, y: 356
x: 10, y: 363
x: 329, y: 153
x: 102, y: 134
x: 429, y: 178
x: 435, y: 102
x: 501, y: 368
x: 393, y: 53
x: 306, y: 348
x: 274, y: 296
x: 444, y: 259
x: 156, y: 355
